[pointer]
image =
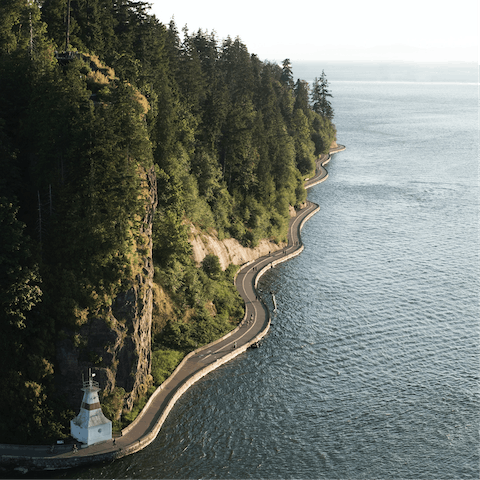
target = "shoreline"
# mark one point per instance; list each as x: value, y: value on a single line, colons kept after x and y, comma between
x: 198, y: 363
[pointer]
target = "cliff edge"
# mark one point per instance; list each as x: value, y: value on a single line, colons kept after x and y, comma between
x: 117, y: 342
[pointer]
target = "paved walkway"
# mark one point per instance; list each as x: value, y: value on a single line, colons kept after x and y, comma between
x: 194, y: 366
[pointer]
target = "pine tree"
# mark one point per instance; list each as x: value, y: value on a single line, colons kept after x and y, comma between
x: 302, y: 90
x: 14, y: 25
x: 192, y: 79
x: 304, y: 146
x: 320, y: 95
x: 287, y: 75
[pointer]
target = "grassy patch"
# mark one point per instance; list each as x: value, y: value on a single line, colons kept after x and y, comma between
x: 164, y: 362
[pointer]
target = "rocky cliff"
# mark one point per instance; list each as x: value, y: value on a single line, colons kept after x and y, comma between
x: 118, y: 343
x: 228, y: 250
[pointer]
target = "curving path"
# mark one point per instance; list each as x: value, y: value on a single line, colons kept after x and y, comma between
x: 194, y: 366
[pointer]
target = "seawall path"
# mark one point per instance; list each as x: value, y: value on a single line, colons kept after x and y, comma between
x: 194, y: 366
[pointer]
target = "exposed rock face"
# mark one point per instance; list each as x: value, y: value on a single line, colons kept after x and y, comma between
x: 117, y: 346
x: 228, y: 250
x: 133, y: 310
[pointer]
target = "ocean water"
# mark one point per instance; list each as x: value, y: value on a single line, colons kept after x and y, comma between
x: 371, y: 368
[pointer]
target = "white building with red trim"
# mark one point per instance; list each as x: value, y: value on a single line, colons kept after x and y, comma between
x: 91, y: 426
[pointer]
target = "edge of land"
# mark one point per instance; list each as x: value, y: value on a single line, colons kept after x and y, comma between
x: 144, y: 429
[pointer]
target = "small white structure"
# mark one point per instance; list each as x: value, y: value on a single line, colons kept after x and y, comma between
x: 90, y: 425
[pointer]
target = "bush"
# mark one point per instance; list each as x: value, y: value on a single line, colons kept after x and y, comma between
x: 112, y: 405
x: 211, y: 266
x: 164, y: 362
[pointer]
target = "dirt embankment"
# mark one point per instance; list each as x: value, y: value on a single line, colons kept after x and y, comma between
x: 228, y: 250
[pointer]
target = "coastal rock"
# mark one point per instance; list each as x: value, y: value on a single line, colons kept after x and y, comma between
x: 117, y: 345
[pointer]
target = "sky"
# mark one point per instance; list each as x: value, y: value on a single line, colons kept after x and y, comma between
x: 311, y: 30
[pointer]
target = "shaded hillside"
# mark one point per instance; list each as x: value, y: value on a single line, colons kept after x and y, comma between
x: 108, y: 156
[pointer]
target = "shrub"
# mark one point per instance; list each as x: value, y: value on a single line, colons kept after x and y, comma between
x: 112, y: 405
x: 211, y: 266
x: 164, y: 362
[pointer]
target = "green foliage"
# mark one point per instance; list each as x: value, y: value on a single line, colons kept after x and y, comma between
x: 130, y: 416
x: 230, y: 139
x: 25, y: 338
x: 19, y: 277
x: 304, y: 146
x: 323, y: 133
x: 164, y: 362
x: 201, y: 330
x: 211, y: 266
x: 287, y: 74
x: 95, y: 231
x: 31, y: 419
x: 302, y: 92
x: 320, y: 95
x: 206, y: 323
x: 173, y: 247
x: 112, y: 406
x: 21, y: 29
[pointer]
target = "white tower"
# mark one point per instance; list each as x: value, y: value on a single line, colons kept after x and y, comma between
x: 90, y: 425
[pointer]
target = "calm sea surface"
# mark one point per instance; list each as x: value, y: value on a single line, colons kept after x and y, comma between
x: 371, y: 368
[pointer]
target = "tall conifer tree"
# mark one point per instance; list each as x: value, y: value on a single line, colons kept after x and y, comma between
x: 320, y: 96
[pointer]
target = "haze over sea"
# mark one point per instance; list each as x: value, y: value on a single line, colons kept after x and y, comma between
x: 371, y: 368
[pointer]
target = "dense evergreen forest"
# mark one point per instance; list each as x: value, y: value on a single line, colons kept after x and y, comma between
x: 108, y: 154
